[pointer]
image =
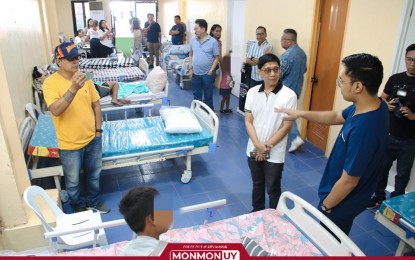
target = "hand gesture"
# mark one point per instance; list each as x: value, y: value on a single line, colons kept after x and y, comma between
x: 392, y: 104
x: 78, y: 80
x: 291, y: 115
x: 406, y: 112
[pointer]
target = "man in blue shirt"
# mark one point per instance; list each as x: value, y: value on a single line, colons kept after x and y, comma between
x: 153, y: 34
x: 356, y: 159
x: 203, y: 58
x: 293, y: 67
x: 177, y: 31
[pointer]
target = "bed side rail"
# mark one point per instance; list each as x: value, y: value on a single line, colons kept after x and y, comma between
x: 308, y: 218
x: 206, y: 117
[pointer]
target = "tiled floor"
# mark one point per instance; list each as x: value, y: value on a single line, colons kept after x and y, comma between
x: 225, y: 174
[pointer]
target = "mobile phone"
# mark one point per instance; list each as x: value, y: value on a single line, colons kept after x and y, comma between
x: 253, y: 155
x: 89, y: 75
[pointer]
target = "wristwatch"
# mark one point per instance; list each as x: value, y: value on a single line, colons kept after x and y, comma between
x: 99, y: 130
x: 325, y: 209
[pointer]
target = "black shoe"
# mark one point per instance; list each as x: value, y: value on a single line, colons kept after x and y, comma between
x: 222, y: 111
x: 375, y: 202
x: 228, y: 111
x: 100, y: 207
x: 78, y: 208
x: 151, y: 66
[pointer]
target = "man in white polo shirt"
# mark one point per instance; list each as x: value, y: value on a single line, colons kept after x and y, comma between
x: 267, y: 131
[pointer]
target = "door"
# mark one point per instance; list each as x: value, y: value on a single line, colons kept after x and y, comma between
x: 236, y: 37
x: 332, y: 21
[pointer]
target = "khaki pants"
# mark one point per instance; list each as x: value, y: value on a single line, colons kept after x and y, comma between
x: 154, y: 49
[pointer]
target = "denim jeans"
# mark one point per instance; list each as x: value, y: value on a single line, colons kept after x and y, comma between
x: 202, y: 86
x: 265, y: 175
x: 88, y: 158
x: 402, y: 150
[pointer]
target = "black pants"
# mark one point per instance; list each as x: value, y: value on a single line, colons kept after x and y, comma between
x: 105, y: 51
x: 265, y: 175
x: 95, y: 48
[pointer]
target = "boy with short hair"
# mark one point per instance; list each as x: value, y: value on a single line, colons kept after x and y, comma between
x: 137, y: 208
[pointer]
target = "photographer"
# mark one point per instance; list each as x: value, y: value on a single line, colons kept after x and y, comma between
x: 399, y: 93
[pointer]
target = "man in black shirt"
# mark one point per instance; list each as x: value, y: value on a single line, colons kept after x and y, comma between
x: 399, y: 93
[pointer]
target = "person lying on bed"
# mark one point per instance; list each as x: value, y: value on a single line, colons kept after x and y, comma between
x: 111, y: 87
x: 120, y: 90
x: 137, y: 208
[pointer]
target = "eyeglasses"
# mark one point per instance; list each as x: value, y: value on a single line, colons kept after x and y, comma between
x: 340, y: 82
x: 72, y: 59
x: 286, y: 39
x: 409, y: 60
x: 260, y: 34
x: 267, y: 71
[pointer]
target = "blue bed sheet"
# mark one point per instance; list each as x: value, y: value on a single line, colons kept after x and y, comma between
x: 137, y: 135
x: 402, y: 205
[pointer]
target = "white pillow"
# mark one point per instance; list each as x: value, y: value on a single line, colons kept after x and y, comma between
x: 180, y: 120
x: 156, y: 80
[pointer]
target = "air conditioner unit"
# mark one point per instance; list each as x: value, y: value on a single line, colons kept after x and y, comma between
x: 96, y: 6
x: 96, y: 11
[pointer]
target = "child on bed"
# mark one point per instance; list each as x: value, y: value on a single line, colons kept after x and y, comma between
x: 111, y: 87
x: 226, y: 84
x: 137, y: 208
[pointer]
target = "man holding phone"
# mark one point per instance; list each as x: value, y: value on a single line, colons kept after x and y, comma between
x: 267, y: 132
x: 76, y: 115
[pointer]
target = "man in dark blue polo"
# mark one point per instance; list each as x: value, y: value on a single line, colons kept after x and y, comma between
x: 153, y: 33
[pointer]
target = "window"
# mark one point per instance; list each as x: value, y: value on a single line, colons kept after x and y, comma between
x: 80, y: 14
x: 123, y: 11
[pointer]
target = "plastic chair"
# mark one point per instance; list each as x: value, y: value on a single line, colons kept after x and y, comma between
x: 25, y: 131
x: 33, y: 110
x: 308, y: 218
x: 65, y: 221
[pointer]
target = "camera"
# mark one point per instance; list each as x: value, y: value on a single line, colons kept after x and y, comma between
x: 400, y: 101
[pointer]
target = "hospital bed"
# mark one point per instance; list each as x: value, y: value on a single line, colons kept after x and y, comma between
x: 175, y: 58
x: 106, y: 63
x: 152, y: 97
x: 293, y: 229
x: 398, y: 215
x: 126, y: 74
x: 139, y: 140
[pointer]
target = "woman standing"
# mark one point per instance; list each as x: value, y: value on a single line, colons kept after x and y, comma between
x: 138, y: 40
x: 93, y: 34
x: 216, y: 32
x: 106, y: 39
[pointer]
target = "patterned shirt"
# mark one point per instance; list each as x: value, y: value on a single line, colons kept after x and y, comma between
x: 256, y: 51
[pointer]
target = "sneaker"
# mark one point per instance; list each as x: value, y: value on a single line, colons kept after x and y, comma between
x: 222, y: 111
x: 78, y: 208
x: 229, y: 111
x: 296, y: 144
x: 100, y: 207
x: 375, y: 202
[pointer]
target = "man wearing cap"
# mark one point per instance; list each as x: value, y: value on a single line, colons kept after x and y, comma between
x: 77, y: 118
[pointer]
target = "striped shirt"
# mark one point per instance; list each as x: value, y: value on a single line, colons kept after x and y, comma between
x: 256, y: 51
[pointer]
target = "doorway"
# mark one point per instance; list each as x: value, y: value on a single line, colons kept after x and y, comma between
x: 330, y: 30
